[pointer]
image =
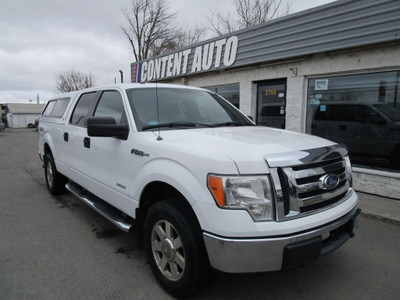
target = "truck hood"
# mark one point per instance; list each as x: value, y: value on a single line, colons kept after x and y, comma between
x: 247, y: 147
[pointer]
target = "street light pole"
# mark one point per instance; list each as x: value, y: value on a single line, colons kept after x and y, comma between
x: 122, y: 76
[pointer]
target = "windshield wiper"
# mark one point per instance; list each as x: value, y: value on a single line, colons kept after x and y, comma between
x: 174, y: 125
x: 228, y: 124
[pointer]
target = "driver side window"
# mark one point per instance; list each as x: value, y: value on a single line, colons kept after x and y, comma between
x: 110, y: 105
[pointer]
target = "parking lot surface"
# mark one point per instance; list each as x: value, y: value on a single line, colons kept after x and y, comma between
x: 57, y: 248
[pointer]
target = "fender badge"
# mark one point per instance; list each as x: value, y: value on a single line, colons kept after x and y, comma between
x: 139, y: 153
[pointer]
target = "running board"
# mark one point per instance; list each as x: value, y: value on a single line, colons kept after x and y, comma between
x: 109, y: 212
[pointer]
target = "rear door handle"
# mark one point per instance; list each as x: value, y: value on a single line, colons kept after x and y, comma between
x: 66, y: 136
x: 86, y: 142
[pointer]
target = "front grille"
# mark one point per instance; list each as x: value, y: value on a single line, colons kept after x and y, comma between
x: 319, y: 205
x: 285, y: 191
x: 303, y: 189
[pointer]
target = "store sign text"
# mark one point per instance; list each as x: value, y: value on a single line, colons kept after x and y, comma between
x: 214, y: 55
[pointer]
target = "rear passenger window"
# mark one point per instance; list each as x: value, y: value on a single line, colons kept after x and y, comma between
x: 59, y: 108
x: 82, y: 109
x: 110, y: 105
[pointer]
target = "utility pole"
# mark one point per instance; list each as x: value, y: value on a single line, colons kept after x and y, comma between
x: 122, y: 76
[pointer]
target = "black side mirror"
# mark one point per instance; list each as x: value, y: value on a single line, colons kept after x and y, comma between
x: 106, y: 127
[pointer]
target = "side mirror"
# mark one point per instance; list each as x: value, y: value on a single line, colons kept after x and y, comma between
x: 106, y: 127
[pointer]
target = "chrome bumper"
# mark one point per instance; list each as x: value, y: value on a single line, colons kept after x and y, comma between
x: 273, y: 254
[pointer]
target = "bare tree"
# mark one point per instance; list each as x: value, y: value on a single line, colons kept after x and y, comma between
x: 69, y: 81
x: 180, y: 38
x: 247, y: 13
x: 189, y: 36
x: 150, y: 32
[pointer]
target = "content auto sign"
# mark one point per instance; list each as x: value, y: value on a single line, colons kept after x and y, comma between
x: 210, y: 56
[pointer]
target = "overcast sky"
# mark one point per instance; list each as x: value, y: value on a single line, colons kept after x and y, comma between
x: 41, y: 38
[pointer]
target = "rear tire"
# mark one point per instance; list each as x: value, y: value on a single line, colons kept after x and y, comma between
x: 175, y: 249
x: 55, y: 181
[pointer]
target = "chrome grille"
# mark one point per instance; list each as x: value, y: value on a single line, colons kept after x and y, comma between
x: 316, y: 183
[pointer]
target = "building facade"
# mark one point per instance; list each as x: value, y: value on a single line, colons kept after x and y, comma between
x: 22, y: 115
x: 331, y: 71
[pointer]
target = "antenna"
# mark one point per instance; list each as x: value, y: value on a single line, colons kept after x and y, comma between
x: 159, y: 138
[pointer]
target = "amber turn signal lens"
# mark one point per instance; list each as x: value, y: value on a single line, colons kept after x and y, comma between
x: 216, y: 187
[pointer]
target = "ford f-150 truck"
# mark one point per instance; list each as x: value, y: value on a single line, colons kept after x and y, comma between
x: 203, y: 187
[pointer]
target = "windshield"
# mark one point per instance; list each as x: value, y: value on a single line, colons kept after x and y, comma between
x: 179, y: 108
x: 392, y: 112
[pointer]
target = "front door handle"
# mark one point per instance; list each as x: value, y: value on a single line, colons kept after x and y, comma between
x: 86, y: 142
x: 66, y: 136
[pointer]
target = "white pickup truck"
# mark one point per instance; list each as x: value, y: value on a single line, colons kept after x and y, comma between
x: 203, y: 187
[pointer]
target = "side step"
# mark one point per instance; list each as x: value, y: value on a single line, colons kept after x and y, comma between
x: 109, y: 212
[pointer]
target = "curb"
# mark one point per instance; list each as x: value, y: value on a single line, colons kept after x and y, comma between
x: 380, y: 218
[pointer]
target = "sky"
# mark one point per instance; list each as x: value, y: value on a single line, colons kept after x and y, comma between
x: 39, y: 39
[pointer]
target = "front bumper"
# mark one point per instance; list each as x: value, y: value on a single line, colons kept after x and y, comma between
x: 276, y: 253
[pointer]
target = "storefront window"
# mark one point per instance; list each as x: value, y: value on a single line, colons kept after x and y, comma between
x: 230, y: 93
x: 360, y: 111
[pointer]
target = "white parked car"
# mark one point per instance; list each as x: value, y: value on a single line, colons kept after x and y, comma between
x: 203, y: 187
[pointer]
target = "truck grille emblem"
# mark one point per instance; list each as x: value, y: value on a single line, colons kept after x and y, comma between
x: 329, y: 181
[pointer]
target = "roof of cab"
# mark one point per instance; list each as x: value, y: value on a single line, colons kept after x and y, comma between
x: 124, y: 86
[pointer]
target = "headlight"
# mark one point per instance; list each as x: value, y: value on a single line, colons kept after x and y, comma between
x: 349, y: 170
x: 252, y: 193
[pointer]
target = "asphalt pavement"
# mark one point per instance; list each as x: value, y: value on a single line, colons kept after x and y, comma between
x: 58, y: 248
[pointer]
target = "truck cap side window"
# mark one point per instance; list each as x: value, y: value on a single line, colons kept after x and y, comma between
x: 60, y: 107
x: 56, y: 108
x: 49, y: 108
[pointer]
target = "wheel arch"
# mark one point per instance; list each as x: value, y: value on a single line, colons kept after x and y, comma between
x: 46, y: 145
x: 163, y: 179
x: 157, y: 191
x: 46, y: 149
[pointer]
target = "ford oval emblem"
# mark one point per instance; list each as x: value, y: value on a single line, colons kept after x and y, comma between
x: 329, y: 181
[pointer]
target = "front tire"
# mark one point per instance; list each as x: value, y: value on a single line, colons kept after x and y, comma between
x: 55, y: 181
x: 175, y: 249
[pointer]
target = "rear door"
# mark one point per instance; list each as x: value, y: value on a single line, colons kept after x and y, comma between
x: 75, y: 137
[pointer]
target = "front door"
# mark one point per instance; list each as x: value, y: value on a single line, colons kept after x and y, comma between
x: 110, y: 162
x: 271, y: 103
